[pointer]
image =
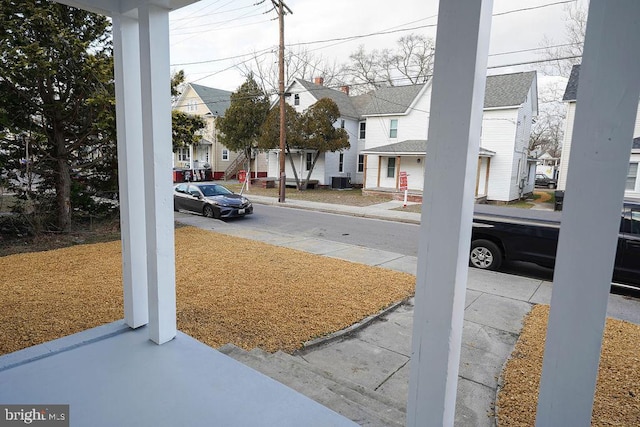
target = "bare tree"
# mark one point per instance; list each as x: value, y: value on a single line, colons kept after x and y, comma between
x: 414, y: 59
x: 548, y: 131
x: 568, y: 53
x: 410, y: 63
x: 299, y: 63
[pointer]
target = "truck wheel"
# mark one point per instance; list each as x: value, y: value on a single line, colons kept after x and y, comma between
x: 485, y: 255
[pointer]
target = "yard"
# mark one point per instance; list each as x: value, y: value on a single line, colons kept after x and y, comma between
x: 282, y: 298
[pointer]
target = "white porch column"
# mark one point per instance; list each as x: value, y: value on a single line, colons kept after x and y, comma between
x: 156, y: 120
x: 130, y: 173
x: 447, y: 209
x: 599, y: 159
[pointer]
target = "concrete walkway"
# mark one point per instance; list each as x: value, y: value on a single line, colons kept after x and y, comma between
x: 377, y: 355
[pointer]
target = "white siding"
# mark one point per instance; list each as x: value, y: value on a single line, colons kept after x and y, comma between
x: 566, y: 145
x: 371, y: 171
x: 482, y: 176
x: 566, y: 149
x: 498, y: 135
x: 414, y: 125
x: 414, y: 167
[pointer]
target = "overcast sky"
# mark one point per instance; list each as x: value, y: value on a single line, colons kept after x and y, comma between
x: 221, y: 33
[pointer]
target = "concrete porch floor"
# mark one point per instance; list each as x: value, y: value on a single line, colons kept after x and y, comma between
x: 115, y: 376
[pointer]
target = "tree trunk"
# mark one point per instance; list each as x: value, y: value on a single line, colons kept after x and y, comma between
x: 313, y: 165
x: 293, y: 166
x: 63, y: 184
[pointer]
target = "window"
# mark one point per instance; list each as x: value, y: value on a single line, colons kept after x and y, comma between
x: 309, y: 161
x: 393, y: 128
x: 192, y: 105
x: 632, y: 177
x: 391, y: 167
x: 296, y: 99
x: 360, y: 162
x: 630, y: 220
x: 342, y: 124
x: 183, y: 154
x: 341, y: 163
x: 225, y: 154
x: 363, y: 130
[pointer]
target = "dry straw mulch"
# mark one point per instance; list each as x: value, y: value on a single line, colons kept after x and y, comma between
x: 617, y: 399
x: 228, y: 290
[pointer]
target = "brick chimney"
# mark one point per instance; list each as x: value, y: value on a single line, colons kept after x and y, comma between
x: 319, y: 81
x: 345, y: 89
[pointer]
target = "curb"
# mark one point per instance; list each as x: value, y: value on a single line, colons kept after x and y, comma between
x: 346, y: 332
x: 336, y: 211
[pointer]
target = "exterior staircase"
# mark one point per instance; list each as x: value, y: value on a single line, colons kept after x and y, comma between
x: 363, y: 406
x: 235, y: 166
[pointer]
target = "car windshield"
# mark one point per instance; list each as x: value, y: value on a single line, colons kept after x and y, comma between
x: 214, y: 190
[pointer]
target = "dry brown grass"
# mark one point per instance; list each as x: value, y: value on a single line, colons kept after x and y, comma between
x: 617, y: 399
x: 228, y: 290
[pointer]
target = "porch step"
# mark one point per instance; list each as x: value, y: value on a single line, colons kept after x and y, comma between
x: 363, y: 406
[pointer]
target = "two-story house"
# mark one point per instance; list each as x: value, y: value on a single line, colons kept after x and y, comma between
x: 210, y: 154
x: 395, y: 137
x: 632, y: 188
x: 301, y: 95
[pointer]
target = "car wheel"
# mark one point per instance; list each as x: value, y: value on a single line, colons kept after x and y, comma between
x: 551, y: 186
x: 208, y: 211
x: 485, y: 255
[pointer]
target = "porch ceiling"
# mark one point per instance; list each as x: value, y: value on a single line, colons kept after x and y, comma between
x: 123, y: 7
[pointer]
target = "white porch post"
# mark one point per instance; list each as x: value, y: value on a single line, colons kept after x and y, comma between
x: 130, y: 173
x: 605, y: 112
x: 447, y: 209
x: 156, y: 119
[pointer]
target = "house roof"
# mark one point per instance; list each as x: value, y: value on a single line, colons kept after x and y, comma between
x: 412, y: 147
x: 216, y: 100
x: 571, y: 91
x: 506, y: 90
x: 341, y: 99
x: 389, y: 100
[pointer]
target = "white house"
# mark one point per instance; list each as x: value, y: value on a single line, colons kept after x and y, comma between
x: 396, y: 122
x: 632, y: 188
x: 210, y: 154
x: 301, y: 95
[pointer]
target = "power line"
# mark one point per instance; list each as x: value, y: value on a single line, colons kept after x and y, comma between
x: 538, y: 61
x: 533, y: 7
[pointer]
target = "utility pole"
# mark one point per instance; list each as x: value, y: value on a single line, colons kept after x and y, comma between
x: 281, y: 6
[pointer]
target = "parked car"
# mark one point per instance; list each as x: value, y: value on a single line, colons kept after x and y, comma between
x: 210, y: 200
x: 501, y: 234
x: 543, y: 180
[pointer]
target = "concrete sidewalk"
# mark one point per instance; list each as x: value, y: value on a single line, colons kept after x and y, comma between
x: 377, y: 355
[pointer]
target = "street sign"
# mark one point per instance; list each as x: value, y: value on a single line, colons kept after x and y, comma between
x: 403, y: 181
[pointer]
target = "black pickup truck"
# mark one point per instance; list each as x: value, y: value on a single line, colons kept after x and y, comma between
x: 502, y: 233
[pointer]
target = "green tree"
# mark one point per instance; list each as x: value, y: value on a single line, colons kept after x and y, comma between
x: 57, y: 77
x: 240, y: 126
x: 319, y: 132
x: 270, y: 132
x: 185, y: 128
